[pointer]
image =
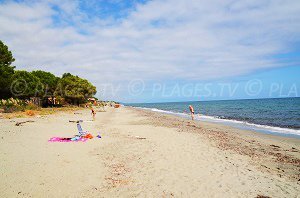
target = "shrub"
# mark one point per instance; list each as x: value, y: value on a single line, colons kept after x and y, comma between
x: 12, y: 105
x: 31, y: 106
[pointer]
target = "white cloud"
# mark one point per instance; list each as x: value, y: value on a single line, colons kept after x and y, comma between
x: 169, y: 39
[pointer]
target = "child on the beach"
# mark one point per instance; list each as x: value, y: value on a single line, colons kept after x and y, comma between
x: 93, y: 113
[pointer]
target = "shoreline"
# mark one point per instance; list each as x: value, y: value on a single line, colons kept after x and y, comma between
x: 284, y: 147
x: 241, y: 125
x: 220, y: 125
x: 143, y: 153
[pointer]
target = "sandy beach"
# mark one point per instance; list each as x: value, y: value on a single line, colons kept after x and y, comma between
x: 143, y: 154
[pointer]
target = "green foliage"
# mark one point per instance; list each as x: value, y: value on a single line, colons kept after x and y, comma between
x: 75, y: 89
x: 6, y: 57
x: 12, y: 102
x: 6, y: 70
x: 66, y: 75
x: 25, y: 84
x: 30, y: 106
x: 48, y: 82
x: 11, y: 105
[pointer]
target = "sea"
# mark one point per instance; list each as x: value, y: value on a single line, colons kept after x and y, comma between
x: 279, y: 116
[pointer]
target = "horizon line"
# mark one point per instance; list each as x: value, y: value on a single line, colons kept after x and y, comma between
x: 206, y: 100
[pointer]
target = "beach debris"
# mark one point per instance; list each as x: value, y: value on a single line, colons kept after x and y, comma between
x: 275, y: 146
x: 265, y: 166
x: 20, y: 123
x: 77, y: 113
x: 140, y: 138
x: 262, y: 196
x: 293, y: 150
x: 98, y: 136
x: 279, y: 169
x: 76, y: 121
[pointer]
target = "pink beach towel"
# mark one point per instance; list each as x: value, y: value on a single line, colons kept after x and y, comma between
x: 60, y: 139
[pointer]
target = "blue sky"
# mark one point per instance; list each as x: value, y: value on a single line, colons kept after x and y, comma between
x: 167, y: 50
x: 271, y: 83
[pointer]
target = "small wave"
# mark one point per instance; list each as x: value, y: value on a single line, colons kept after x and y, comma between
x: 232, y: 122
x: 164, y: 111
x: 254, y: 126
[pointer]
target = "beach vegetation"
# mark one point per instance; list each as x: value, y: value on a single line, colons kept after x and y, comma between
x: 74, y: 89
x: 25, y: 84
x: 14, y: 104
x: 6, y: 70
x: 48, y: 82
x: 19, y: 87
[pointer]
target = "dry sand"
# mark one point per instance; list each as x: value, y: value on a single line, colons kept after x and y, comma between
x: 143, y: 154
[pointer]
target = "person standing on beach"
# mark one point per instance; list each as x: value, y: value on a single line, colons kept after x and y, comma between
x: 192, y: 111
x: 93, y: 113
